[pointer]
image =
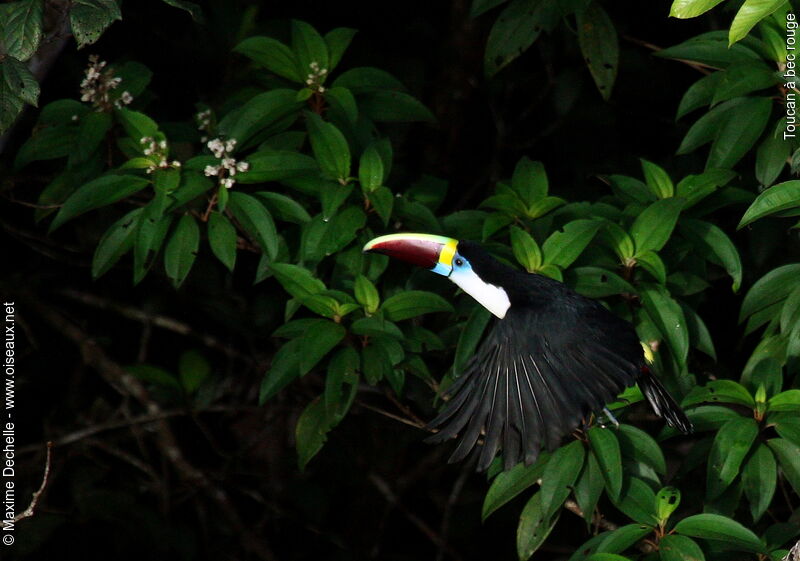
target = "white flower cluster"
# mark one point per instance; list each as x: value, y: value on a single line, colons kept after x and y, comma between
x: 316, y: 77
x: 157, y: 152
x: 228, y: 166
x: 203, y: 119
x: 98, y: 84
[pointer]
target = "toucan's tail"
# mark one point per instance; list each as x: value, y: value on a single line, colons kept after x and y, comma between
x: 663, y: 403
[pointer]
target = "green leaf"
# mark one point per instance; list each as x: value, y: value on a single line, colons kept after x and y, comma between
x: 309, y: 46
x: 619, y: 540
x: 771, y: 156
x: 707, y: 127
x: 395, y: 107
x: 193, y: 370
x: 589, y: 487
x: 739, y: 133
x: 470, y: 337
x: 667, y: 501
x: 534, y: 527
x: 597, y: 38
x: 654, y: 225
x: 526, y: 250
x: 311, y: 432
x: 318, y: 342
x: 337, y: 41
x: 618, y: 240
x: 190, y: 7
x: 330, y: 147
x: 788, y: 455
x: 699, y: 336
x: 382, y: 201
x: 256, y: 221
x: 565, y: 246
x: 720, y: 528
x: 370, y: 170
x: 652, y: 263
x: 515, y: 29
x: 296, y: 280
x: 283, y: 370
x: 742, y: 78
x: 22, y: 28
x: 751, y: 12
x: 103, y: 191
x: 638, y: 445
x: 264, y: 113
x: 412, y: 303
x: 91, y: 133
x: 272, y: 55
x: 770, y: 289
x: 376, y: 326
x: 277, y: 165
x: 712, y: 49
x: 90, y: 18
x: 343, y: 106
x: 780, y: 197
x: 667, y: 315
x: 153, y: 228
x: 657, y: 179
x: 366, y: 79
x: 785, y: 401
x: 283, y: 207
x: 694, y: 188
x: 222, y: 238
x: 638, y: 501
x: 137, y: 125
x: 366, y: 294
x: 673, y: 547
x: 559, y: 476
x: 342, y: 371
x: 115, y: 243
x: 759, y: 478
x: 596, y: 282
x: 529, y: 181
x: 181, y: 250
x: 699, y: 94
x: 684, y: 9
x: 606, y: 449
x: 731, y: 445
x: 719, y: 391
x: 715, y: 246
x: 375, y: 362
x: 508, y: 484
x: 46, y: 144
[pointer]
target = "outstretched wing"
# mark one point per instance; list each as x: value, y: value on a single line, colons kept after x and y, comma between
x: 533, y: 380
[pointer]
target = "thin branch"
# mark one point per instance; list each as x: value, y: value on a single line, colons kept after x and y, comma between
x: 392, y: 415
x: 699, y: 66
x: 28, y: 512
x: 127, y: 384
x: 455, y: 492
x: 383, y: 488
x: 164, y: 322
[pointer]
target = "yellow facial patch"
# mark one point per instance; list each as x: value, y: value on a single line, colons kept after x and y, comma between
x: 448, y: 251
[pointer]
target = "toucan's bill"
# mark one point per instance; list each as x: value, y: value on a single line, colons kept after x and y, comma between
x: 551, y: 359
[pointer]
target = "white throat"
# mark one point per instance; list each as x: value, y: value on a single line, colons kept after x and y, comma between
x: 491, y: 297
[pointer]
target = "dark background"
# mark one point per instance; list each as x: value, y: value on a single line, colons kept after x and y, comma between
x: 375, y: 490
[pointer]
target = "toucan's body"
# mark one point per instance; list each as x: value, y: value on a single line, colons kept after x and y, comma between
x: 550, y: 360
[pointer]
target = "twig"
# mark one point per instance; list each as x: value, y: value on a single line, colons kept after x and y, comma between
x: 383, y: 488
x: 405, y: 409
x: 601, y: 522
x: 391, y: 415
x: 28, y: 512
x: 455, y: 492
x: 164, y: 322
x: 699, y: 66
x: 127, y: 384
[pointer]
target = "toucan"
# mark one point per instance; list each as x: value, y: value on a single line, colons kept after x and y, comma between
x: 551, y: 360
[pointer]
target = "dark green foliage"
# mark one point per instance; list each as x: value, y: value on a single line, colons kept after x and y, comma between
x: 284, y: 176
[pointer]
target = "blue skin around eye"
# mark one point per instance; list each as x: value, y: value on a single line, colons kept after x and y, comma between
x: 445, y: 271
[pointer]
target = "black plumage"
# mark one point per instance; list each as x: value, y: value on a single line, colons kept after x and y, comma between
x: 554, y: 359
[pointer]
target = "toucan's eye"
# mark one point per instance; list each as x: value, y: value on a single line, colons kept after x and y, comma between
x: 459, y: 261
